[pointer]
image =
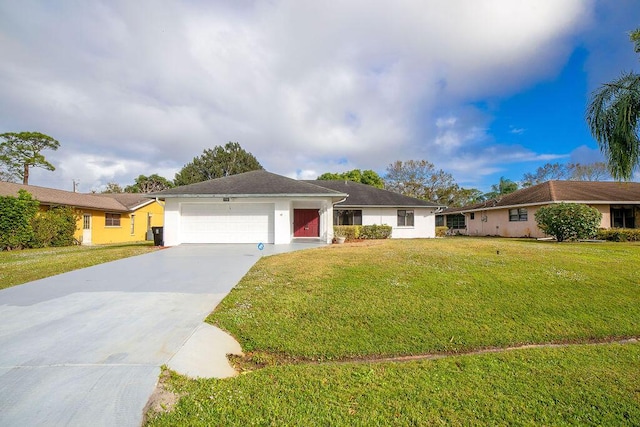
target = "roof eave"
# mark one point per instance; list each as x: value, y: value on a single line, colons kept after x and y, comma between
x: 387, y: 206
x: 549, y: 202
x: 247, y: 196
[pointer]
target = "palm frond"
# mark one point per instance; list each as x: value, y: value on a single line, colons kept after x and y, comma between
x: 613, y: 116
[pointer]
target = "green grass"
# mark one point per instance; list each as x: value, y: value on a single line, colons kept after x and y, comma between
x: 17, y: 267
x: 405, y: 297
x: 578, y: 385
x: 345, y: 303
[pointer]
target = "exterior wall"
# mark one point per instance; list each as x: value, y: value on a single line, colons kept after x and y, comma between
x: 424, y: 220
x: 282, y: 218
x: 102, y: 234
x: 495, y: 222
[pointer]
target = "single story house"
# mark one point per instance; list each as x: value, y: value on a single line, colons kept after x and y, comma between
x: 513, y: 215
x: 104, y: 218
x: 263, y: 207
x: 366, y: 205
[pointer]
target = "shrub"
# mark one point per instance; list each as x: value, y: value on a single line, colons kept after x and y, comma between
x: 350, y: 232
x: 441, y: 231
x: 619, y: 234
x: 375, y: 231
x: 16, y: 214
x: 566, y: 221
x: 55, y: 227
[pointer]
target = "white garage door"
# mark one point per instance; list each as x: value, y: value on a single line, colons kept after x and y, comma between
x: 226, y: 223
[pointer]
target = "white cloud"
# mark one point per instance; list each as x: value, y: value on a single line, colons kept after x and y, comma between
x: 135, y: 88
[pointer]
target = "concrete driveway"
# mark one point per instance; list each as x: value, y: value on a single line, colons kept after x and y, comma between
x: 85, y: 347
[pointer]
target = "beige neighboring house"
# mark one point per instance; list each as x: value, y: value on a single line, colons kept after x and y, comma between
x: 514, y: 214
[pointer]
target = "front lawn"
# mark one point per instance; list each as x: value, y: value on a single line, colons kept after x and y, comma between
x: 17, y: 267
x: 346, y: 306
x: 405, y: 297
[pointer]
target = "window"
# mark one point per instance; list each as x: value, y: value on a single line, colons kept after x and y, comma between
x: 455, y: 221
x: 347, y: 217
x: 133, y: 224
x: 518, y: 214
x: 623, y: 217
x: 111, y: 220
x: 439, y: 220
x: 405, y: 218
x: 472, y: 215
x: 86, y: 222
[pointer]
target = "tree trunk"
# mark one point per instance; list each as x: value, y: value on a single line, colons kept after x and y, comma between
x: 25, y: 176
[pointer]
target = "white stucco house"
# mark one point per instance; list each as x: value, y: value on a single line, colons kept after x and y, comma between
x: 263, y: 207
x: 366, y: 205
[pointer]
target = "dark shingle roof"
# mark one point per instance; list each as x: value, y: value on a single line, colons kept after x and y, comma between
x: 366, y: 195
x: 563, y: 191
x: 52, y: 196
x: 258, y: 183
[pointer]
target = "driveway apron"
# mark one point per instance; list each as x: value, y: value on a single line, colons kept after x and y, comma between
x: 85, y: 347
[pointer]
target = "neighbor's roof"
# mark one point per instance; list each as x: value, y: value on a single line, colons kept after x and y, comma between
x: 257, y: 183
x: 131, y: 201
x: 589, y: 192
x: 102, y: 202
x: 366, y: 195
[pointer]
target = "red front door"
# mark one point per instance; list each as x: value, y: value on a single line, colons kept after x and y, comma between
x: 306, y: 223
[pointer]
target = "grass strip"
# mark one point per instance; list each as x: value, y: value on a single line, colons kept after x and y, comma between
x: 575, y: 385
x: 17, y: 267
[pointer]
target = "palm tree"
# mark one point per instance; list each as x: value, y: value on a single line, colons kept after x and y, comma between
x: 613, y: 116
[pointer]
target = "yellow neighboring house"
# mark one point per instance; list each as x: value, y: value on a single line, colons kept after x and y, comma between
x: 104, y: 218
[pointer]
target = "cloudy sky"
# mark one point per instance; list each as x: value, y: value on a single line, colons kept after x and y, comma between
x: 482, y: 89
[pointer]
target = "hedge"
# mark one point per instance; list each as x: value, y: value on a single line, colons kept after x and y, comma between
x: 16, y: 214
x: 441, y: 231
x: 354, y: 232
x: 619, y: 234
x: 375, y: 231
x: 351, y: 232
x: 55, y: 227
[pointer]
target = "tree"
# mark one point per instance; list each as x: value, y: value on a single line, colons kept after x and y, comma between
x: 568, y: 221
x: 148, y: 184
x: 505, y: 186
x: 113, y: 188
x: 572, y: 171
x: 465, y: 196
x: 21, y: 151
x: 216, y: 163
x: 613, y: 116
x: 367, y: 177
x: 545, y: 173
x: 419, y: 179
x: 588, y: 172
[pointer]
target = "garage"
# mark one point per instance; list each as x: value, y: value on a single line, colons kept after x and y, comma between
x: 227, y: 223
x: 250, y: 207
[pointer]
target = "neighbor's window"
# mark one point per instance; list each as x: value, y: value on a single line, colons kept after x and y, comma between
x: 439, y: 220
x: 112, y: 220
x: 347, y: 217
x: 518, y: 214
x: 455, y: 221
x: 405, y: 218
x: 472, y: 215
x: 623, y: 217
